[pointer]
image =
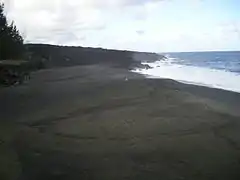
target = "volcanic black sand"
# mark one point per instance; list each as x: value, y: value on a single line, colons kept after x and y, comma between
x: 98, y: 122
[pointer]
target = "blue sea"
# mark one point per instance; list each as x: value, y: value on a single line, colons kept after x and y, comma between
x: 213, y: 69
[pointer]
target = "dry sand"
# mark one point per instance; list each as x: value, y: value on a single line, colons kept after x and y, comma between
x: 88, y: 122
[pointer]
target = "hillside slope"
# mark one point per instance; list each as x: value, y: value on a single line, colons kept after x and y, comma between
x: 58, y: 56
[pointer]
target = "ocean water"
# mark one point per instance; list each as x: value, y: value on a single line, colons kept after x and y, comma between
x: 213, y: 69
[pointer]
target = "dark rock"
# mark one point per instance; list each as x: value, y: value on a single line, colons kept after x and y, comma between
x: 142, y: 66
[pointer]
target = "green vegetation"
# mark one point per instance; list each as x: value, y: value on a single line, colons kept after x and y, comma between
x: 12, y: 50
x: 11, y: 42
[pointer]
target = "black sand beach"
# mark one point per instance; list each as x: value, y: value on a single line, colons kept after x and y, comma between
x: 98, y: 122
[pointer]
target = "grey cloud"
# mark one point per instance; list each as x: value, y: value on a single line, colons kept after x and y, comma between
x: 68, y: 20
x: 140, y: 32
x: 120, y: 3
x: 67, y: 24
x: 138, y: 2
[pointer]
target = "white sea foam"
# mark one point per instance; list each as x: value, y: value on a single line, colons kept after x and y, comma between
x: 192, y: 75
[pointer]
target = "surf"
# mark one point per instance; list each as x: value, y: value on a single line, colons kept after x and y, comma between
x: 201, y: 76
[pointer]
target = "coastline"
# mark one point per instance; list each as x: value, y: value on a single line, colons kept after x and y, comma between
x: 99, y: 122
x: 213, y: 77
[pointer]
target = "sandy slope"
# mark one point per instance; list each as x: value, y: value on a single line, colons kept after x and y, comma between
x: 90, y: 123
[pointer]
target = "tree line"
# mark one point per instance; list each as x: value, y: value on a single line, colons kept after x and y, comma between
x: 11, y: 41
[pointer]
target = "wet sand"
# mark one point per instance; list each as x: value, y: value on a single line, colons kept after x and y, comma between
x: 98, y: 122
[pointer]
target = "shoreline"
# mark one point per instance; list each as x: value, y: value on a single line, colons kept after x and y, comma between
x: 229, y: 97
x: 195, y: 84
x: 102, y: 74
x: 188, y: 83
x: 89, y: 122
x: 201, y: 76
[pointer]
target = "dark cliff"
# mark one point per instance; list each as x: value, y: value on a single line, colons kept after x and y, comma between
x: 57, y: 56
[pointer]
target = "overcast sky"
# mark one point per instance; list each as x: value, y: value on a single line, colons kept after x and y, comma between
x: 144, y: 25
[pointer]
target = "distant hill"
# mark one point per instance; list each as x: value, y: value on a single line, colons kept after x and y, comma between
x: 57, y: 56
